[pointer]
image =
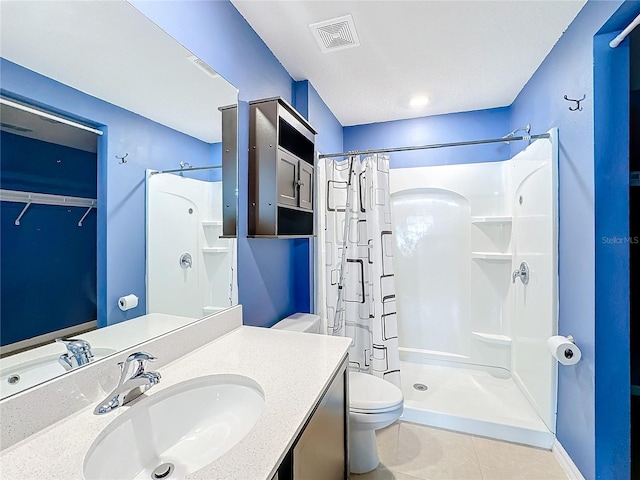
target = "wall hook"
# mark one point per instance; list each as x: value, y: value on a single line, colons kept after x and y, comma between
x: 577, y: 106
x: 122, y: 159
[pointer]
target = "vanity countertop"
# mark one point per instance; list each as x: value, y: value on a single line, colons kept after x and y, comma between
x: 292, y: 368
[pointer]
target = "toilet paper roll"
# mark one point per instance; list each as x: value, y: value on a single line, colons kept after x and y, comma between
x: 128, y: 302
x: 564, y: 350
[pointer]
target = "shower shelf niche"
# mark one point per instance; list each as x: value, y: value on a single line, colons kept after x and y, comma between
x: 491, y: 220
x: 215, y: 249
x: 492, y: 256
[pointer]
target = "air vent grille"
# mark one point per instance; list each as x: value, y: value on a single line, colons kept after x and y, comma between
x: 335, y: 34
x: 203, y: 66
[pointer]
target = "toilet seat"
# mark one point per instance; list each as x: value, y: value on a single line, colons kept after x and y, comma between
x: 371, y: 395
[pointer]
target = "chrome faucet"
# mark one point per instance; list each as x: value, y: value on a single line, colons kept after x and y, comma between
x: 78, y: 353
x: 130, y: 386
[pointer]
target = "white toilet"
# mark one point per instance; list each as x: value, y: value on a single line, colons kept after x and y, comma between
x: 373, y: 403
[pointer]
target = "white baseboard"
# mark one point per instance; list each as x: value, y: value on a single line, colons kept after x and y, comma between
x: 565, y: 461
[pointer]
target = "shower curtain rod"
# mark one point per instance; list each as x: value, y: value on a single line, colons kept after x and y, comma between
x: 625, y: 33
x: 435, y: 145
x: 183, y: 170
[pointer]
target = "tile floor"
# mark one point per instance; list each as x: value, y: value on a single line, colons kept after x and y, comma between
x: 416, y: 452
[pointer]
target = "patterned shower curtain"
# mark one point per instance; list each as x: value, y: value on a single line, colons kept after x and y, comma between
x: 366, y: 311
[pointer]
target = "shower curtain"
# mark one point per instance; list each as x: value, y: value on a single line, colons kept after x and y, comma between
x: 366, y: 311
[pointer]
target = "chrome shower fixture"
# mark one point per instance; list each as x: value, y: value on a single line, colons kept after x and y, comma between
x: 526, y: 129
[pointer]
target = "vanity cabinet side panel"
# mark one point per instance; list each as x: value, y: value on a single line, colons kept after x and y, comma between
x: 321, y: 452
x: 262, y: 168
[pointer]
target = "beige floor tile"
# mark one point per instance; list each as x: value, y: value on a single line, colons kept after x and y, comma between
x: 509, y: 461
x: 387, y: 441
x: 382, y: 473
x: 433, y: 454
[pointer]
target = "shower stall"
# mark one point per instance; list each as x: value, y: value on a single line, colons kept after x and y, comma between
x: 475, y: 258
x: 190, y: 266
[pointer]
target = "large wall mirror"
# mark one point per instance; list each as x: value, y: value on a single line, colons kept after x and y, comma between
x: 112, y: 186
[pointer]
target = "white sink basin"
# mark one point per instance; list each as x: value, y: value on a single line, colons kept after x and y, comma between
x: 182, y: 428
x: 15, y: 378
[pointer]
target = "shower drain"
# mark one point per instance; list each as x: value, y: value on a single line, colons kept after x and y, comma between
x: 420, y: 387
x: 162, y: 471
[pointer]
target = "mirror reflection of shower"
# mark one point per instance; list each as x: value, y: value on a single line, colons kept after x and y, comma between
x: 190, y: 268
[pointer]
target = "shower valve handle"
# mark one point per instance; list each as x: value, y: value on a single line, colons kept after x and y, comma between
x: 186, y: 261
x: 522, y: 273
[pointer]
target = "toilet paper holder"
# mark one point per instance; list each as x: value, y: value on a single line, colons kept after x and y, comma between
x: 564, y: 349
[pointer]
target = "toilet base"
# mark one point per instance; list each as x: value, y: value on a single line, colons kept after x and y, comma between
x: 363, y: 451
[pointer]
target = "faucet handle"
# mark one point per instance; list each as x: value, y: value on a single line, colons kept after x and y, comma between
x: 75, y: 344
x: 141, y: 358
x: 78, y: 352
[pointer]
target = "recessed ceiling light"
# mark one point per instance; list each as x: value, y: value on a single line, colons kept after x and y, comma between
x: 418, y: 101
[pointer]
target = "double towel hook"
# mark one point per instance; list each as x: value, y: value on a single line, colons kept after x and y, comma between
x: 577, y: 105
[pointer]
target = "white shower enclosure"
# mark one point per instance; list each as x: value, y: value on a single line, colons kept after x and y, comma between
x: 472, y: 334
x: 190, y: 269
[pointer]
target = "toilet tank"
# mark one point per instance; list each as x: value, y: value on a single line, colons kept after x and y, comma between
x: 300, y: 322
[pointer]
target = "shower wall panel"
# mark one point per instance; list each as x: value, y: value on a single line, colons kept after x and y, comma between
x: 534, y: 198
x: 184, y: 216
x: 452, y: 274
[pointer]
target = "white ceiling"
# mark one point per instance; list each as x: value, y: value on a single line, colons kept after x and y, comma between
x: 463, y: 55
x: 110, y: 50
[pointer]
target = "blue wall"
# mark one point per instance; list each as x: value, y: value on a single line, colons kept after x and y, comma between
x: 454, y: 127
x: 329, y: 139
x: 568, y: 70
x: 48, y: 275
x: 612, y: 382
x: 273, y: 275
x: 121, y: 187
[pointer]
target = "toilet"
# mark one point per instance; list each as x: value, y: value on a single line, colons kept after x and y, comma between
x: 373, y: 403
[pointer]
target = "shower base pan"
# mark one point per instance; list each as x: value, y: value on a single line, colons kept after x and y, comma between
x: 470, y: 401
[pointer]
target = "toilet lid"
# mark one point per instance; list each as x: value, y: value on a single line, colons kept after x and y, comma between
x: 372, y: 394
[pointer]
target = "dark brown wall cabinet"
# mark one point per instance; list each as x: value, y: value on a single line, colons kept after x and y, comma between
x: 281, y: 171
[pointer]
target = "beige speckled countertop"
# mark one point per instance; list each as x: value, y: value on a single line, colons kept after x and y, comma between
x: 292, y: 368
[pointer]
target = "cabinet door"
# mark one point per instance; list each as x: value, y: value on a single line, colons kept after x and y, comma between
x: 306, y: 186
x: 321, y: 451
x: 287, y: 179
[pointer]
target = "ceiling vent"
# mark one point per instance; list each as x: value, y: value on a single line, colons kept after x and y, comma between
x: 203, y: 66
x: 335, y: 34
